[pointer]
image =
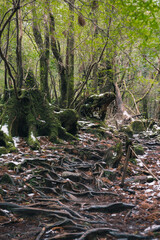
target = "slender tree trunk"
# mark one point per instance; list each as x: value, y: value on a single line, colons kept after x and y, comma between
x: 95, y: 35
x: 70, y: 55
x: 145, y: 106
x: 61, y: 67
x: 6, y: 56
x: 19, y: 49
x: 43, y: 52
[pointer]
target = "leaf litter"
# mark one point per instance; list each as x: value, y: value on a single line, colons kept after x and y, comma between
x: 63, y: 191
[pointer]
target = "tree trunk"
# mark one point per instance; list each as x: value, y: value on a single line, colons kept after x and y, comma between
x: 70, y: 55
x: 145, y: 106
x: 19, y: 49
x: 43, y: 52
x: 61, y: 67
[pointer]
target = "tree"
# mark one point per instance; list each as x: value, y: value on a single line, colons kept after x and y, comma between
x: 43, y: 46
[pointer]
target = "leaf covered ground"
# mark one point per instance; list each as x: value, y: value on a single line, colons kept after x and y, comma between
x: 67, y: 191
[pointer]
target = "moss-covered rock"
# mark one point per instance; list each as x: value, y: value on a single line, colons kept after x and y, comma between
x: 139, y: 150
x: 7, y: 179
x: 137, y: 126
x: 3, y: 150
x: 127, y: 130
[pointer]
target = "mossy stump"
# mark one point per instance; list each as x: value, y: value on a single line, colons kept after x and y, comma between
x: 30, y: 116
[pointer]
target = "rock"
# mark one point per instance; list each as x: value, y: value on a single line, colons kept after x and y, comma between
x: 7, y: 179
x: 139, y: 150
x: 3, y: 150
x: 137, y: 126
x: 127, y: 129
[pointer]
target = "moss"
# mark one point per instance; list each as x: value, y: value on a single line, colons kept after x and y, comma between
x: 128, y: 130
x: 65, y: 135
x: 133, y: 160
x: 3, y: 150
x: 6, y: 144
x: 137, y: 126
x: 31, y: 116
x: 11, y: 165
x: 32, y: 140
x: 13, y: 149
x: 68, y: 119
x: 139, y: 150
x: 96, y: 105
x: 7, y: 179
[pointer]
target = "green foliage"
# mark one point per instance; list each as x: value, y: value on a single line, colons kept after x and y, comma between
x: 133, y: 47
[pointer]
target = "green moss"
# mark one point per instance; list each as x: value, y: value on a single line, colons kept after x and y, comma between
x: 3, y: 150
x: 137, y: 126
x: 13, y: 149
x: 139, y: 150
x: 31, y: 116
x: 133, y: 160
x: 11, y: 165
x: 128, y: 130
x: 7, y: 179
x: 68, y: 119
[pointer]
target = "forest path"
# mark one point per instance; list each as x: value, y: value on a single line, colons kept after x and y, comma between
x: 65, y: 191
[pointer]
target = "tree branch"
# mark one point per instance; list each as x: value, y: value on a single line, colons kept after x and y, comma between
x: 93, y: 64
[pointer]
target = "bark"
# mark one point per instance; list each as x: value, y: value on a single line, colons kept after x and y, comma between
x: 6, y: 53
x: 70, y: 55
x: 122, y: 113
x: 61, y: 67
x: 95, y: 35
x: 19, y: 49
x: 145, y: 106
x: 3, y: 24
x: 43, y: 52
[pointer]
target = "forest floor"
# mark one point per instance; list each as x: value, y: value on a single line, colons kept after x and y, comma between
x: 65, y: 191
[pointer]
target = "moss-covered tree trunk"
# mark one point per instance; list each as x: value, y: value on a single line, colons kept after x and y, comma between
x: 30, y: 116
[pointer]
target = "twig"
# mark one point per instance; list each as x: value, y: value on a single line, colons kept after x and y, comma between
x: 144, y: 165
x: 40, y: 235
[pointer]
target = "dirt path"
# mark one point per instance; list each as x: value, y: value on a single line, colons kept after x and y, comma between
x: 66, y: 192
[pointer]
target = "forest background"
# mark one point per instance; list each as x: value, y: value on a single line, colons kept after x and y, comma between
x: 75, y: 48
